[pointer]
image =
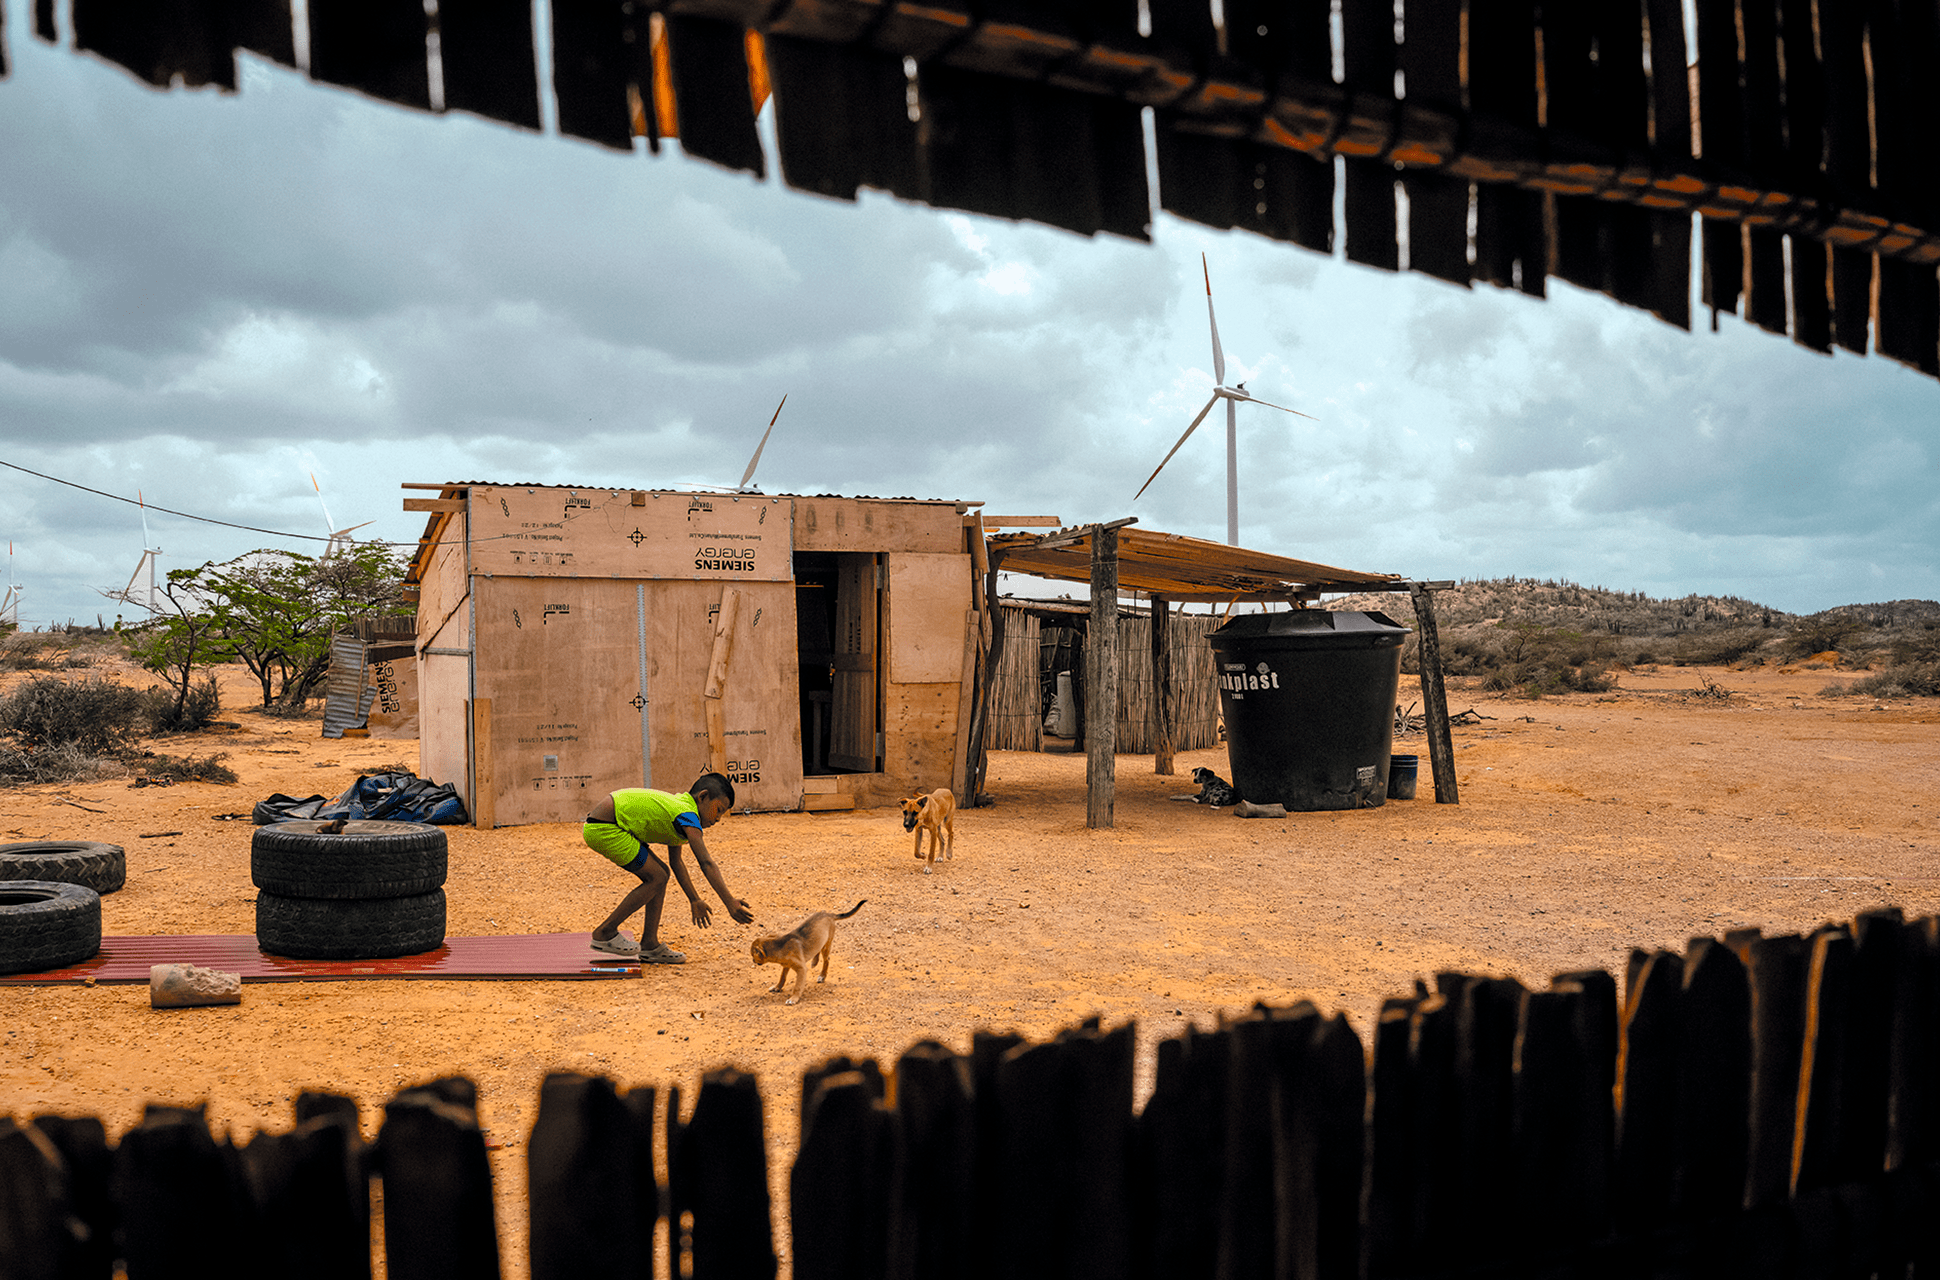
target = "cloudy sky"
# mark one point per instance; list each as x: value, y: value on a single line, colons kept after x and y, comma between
x: 208, y: 299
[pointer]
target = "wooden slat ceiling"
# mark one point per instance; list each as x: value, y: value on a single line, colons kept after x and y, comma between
x: 1530, y: 141
x: 1184, y: 570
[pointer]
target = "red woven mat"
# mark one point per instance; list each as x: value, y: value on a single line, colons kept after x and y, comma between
x: 537, y: 955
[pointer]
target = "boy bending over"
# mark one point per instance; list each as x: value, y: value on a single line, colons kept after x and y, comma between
x: 621, y: 828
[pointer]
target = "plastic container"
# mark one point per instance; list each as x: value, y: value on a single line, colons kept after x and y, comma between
x: 1402, y: 772
x: 1308, y: 697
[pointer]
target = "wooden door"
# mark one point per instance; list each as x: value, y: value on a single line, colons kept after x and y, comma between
x: 854, y: 706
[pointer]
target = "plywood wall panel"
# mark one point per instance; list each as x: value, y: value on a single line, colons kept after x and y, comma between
x: 560, y: 660
x: 760, y: 703
x: 441, y: 594
x: 920, y: 734
x: 601, y: 533
x: 865, y: 524
x: 927, y: 598
x: 444, y: 752
x: 394, y: 711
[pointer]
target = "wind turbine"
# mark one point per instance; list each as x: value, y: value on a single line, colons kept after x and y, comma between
x: 149, y: 554
x: 747, y: 476
x: 339, y: 538
x: 1233, y: 396
x: 10, y: 600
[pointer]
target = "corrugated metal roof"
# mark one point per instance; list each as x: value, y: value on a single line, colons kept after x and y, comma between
x: 1180, y: 568
x: 123, y: 960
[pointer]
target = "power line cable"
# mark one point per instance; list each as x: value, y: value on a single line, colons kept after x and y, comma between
x: 250, y: 528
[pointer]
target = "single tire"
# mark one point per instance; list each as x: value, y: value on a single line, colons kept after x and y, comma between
x: 47, y: 924
x: 365, y: 860
x: 101, y: 867
x: 350, y: 928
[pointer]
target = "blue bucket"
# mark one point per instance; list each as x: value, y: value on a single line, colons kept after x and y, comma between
x: 1401, y: 776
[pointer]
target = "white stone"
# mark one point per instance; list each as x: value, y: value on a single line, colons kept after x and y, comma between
x: 185, y: 986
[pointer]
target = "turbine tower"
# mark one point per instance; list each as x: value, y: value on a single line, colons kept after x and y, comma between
x: 1233, y: 396
x: 149, y: 555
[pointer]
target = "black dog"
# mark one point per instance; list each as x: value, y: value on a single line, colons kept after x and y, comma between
x: 1213, y: 789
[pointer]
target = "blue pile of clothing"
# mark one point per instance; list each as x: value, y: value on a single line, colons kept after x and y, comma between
x: 393, y: 797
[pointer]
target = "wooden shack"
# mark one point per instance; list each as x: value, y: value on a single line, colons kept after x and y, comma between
x: 570, y: 641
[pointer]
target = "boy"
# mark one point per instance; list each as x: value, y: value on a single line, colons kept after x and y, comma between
x: 621, y: 828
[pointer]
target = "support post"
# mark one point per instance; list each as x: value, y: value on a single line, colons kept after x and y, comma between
x: 1101, y: 680
x: 1162, y: 687
x: 979, y: 730
x: 1434, y: 698
x: 484, y: 815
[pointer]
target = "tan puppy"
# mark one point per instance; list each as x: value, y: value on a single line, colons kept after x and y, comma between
x: 799, y: 948
x: 935, y: 813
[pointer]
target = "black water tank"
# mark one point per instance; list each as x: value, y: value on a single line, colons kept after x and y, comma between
x: 1309, y: 703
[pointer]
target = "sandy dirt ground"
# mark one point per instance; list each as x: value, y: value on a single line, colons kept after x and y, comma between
x: 1588, y: 825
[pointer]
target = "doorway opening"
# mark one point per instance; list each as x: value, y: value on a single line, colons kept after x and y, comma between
x: 838, y: 611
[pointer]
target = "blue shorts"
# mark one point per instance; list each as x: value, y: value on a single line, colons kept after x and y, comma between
x: 643, y: 864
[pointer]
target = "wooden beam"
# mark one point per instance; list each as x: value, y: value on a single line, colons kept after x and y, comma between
x: 1162, y: 752
x: 1101, y: 681
x: 1434, y: 696
x: 434, y: 504
x: 717, y: 669
x: 1051, y: 542
x: 484, y: 812
x: 413, y: 484
x: 1022, y: 522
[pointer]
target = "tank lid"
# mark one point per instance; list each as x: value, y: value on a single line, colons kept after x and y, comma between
x: 1310, y: 622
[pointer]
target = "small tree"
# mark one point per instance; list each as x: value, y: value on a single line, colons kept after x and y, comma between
x: 278, y: 610
x: 185, y: 635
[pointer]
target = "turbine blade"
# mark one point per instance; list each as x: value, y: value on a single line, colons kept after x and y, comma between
x: 756, y: 460
x: 144, y: 522
x: 1175, y: 448
x: 139, y: 566
x: 1219, y: 356
x: 1241, y: 395
x: 329, y: 525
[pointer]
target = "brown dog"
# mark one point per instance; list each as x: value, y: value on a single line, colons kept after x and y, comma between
x: 935, y: 813
x: 799, y: 948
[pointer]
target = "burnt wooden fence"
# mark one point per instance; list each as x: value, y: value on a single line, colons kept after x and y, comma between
x: 1504, y: 141
x: 1758, y: 1107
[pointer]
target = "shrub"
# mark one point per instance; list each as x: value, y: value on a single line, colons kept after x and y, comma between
x: 63, y: 763
x: 158, y: 706
x: 96, y: 716
x: 27, y: 653
x: 209, y: 768
x: 1821, y: 632
x: 1718, y: 649
x: 288, y: 711
x: 1902, y: 680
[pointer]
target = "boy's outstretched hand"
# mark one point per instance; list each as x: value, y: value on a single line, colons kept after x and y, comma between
x: 737, y: 911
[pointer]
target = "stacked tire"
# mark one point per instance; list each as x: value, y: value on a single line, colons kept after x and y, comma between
x: 50, y: 901
x: 353, y: 890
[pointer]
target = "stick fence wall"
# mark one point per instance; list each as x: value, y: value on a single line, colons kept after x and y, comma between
x: 1756, y: 1106
x: 1500, y: 141
x: 1016, y: 709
